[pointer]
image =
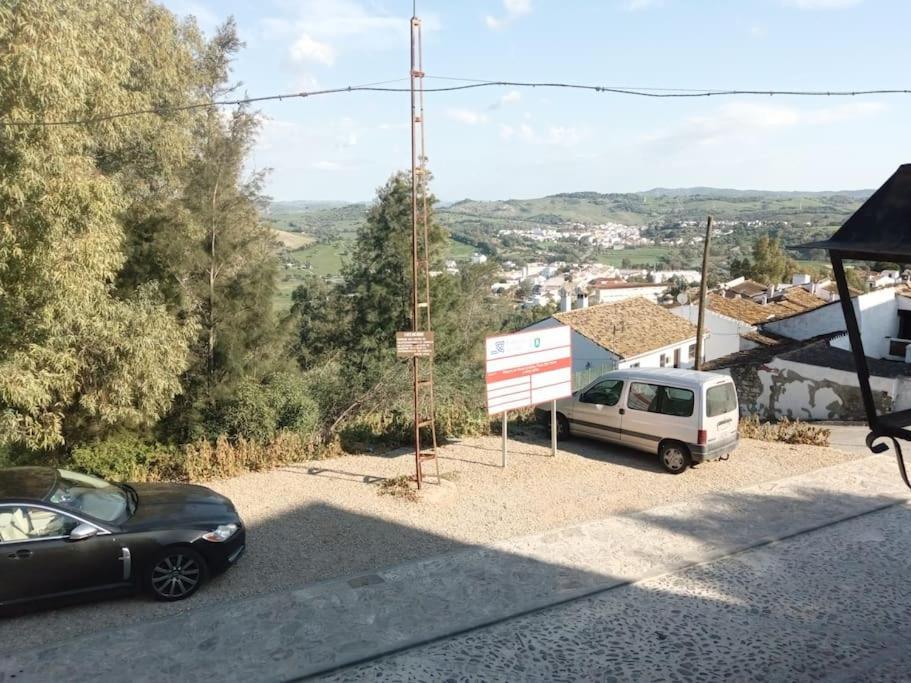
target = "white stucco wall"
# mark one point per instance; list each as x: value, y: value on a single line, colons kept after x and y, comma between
x: 586, y: 354
x: 608, y: 296
x: 876, y: 317
x: 653, y: 358
x: 810, y: 392
x: 724, y: 332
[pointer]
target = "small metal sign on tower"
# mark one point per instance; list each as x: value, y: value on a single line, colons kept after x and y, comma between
x: 418, y: 344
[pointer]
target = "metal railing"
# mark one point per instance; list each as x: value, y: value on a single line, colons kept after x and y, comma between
x: 583, y: 377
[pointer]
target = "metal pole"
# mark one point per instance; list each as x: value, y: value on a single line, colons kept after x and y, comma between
x: 415, y: 323
x: 700, y: 326
x: 553, y: 428
x: 504, y: 439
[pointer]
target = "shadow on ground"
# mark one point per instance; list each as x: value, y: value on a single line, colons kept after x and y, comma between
x: 652, y: 633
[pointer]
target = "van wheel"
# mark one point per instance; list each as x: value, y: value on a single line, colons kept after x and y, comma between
x: 563, y: 432
x: 674, y: 457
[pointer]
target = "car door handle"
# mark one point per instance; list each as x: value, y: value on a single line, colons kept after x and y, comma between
x: 20, y: 554
x: 622, y: 411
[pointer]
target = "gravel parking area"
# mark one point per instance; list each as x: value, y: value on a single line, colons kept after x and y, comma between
x: 325, y: 519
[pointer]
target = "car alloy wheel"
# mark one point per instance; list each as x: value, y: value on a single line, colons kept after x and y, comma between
x: 176, y: 575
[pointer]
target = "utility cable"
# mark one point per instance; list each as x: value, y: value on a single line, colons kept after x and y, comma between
x: 657, y: 93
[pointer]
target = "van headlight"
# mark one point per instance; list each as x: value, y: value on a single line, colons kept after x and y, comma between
x: 221, y: 534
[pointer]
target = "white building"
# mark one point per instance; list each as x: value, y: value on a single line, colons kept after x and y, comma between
x: 477, y: 258
x: 630, y: 333
x: 610, y: 291
x: 733, y: 322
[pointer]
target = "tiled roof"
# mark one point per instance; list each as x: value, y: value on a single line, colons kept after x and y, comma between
x: 794, y: 300
x: 749, y: 288
x: 630, y: 327
x: 603, y: 283
x: 764, y: 354
x: 765, y: 338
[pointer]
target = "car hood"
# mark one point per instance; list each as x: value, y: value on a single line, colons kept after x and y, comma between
x: 179, y: 505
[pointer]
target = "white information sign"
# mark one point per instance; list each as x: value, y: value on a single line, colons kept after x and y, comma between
x: 527, y: 368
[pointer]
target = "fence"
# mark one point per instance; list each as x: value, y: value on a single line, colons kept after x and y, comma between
x: 583, y: 377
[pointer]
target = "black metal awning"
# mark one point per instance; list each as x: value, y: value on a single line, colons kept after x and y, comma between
x: 880, y: 229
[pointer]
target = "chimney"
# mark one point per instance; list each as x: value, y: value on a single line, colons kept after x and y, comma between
x: 581, y: 298
x: 565, y: 303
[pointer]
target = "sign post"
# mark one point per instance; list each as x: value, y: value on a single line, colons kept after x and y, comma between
x: 528, y: 368
x: 413, y: 344
x: 553, y: 428
x: 505, y: 423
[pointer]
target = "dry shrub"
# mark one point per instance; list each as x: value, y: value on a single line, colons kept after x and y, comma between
x: 399, y: 487
x: 224, y: 458
x: 784, y: 431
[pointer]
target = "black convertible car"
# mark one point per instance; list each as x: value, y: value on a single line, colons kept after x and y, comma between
x: 64, y: 534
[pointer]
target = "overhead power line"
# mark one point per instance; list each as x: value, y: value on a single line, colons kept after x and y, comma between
x: 469, y: 84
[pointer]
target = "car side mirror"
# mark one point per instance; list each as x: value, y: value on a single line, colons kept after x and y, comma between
x: 82, y: 532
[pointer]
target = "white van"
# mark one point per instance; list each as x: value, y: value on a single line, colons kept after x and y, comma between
x: 685, y: 416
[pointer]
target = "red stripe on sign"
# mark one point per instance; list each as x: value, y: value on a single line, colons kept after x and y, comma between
x: 526, y: 370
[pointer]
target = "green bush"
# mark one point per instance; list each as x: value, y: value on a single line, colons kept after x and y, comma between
x: 259, y: 411
x: 125, y: 457
x: 248, y: 414
x: 294, y: 408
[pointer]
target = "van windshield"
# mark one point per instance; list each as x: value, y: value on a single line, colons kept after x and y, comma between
x: 720, y: 399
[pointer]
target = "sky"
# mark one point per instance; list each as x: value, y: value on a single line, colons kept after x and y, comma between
x: 499, y: 143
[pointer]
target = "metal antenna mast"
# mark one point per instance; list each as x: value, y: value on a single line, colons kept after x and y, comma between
x: 422, y: 368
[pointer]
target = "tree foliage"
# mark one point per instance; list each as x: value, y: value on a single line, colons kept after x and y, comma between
x: 134, y: 265
x: 771, y: 263
x: 70, y: 355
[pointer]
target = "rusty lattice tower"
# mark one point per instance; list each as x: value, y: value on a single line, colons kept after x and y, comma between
x: 425, y: 437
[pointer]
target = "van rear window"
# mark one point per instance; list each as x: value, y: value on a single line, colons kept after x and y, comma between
x: 720, y: 399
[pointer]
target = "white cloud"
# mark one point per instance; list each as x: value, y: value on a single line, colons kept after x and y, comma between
x: 327, y: 166
x: 558, y: 136
x: 206, y: 18
x: 739, y: 120
x: 514, y: 9
x: 822, y: 4
x: 758, y: 31
x: 637, y: 5
x: 512, y: 97
x: 466, y: 116
x: 320, y: 31
x: 306, y: 49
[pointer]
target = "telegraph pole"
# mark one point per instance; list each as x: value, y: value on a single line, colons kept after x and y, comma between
x: 703, y: 283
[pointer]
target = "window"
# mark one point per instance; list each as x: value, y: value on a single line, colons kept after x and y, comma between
x: 663, y: 360
x: 605, y: 393
x: 654, y: 398
x: 90, y: 495
x: 691, y: 353
x: 720, y: 399
x: 33, y: 524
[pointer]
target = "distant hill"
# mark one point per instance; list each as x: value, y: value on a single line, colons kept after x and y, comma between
x: 475, y: 220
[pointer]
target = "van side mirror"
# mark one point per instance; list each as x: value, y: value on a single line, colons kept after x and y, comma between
x: 82, y: 532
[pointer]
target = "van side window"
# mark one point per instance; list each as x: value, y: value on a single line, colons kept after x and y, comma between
x: 655, y: 398
x: 605, y: 393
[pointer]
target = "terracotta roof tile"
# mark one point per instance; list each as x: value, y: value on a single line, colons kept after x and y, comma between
x: 630, y: 327
x: 794, y: 300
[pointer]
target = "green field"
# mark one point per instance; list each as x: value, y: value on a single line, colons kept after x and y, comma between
x: 459, y: 251
x: 635, y: 255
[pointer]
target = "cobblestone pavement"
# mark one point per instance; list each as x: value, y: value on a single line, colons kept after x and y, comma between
x: 702, y: 588
x: 831, y: 604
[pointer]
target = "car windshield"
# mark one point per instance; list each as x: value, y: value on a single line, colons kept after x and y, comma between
x: 92, y: 496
